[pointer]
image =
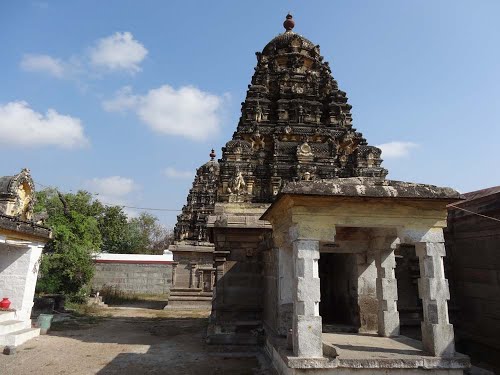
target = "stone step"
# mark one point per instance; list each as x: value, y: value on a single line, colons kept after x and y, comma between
x: 7, y: 315
x: 180, y: 294
x: 189, y: 305
x: 19, y: 337
x: 181, y: 290
x: 9, y: 326
x: 189, y: 298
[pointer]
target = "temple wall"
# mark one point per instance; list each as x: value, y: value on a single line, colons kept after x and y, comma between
x: 473, y: 244
x: 183, y: 269
x: 133, y: 276
x: 242, y: 281
x: 18, y: 275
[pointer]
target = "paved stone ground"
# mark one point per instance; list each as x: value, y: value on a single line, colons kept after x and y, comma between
x: 131, y: 341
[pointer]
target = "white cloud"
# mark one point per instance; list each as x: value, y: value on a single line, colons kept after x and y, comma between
x: 119, y: 51
x: 43, y: 64
x: 188, y: 111
x: 22, y: 126
x: 123, y: 101
x: 174, y: 173
x: 396, y: 149
x: 113, y: 189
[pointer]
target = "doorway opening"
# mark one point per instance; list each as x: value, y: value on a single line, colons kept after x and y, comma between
x: 339, y: 291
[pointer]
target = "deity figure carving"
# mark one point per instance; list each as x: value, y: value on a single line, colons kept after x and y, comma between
x: 306, y: 176
x: 295, y: 62
x: 297, y: 88
x: 317, y: 115
x: 237, y: 184
x: 259, y: 114
x: 348, y: 144
x: 300, y: 114
x: 304, y: 150
x: 343, y: 117
x: 370, y: 160
x: 282, y: 113
x: 17, y: 195
x: 257, y: 141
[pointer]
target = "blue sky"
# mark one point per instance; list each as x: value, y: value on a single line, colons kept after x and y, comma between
x: 126, y: 98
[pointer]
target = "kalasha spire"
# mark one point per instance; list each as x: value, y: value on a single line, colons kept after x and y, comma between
x: 289, y: 22
x: 212, y: 154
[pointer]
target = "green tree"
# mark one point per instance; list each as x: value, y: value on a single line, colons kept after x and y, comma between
x: 114, y: 228
x: 153, y: 237
x: 67, y: 265
x: 82, y: 226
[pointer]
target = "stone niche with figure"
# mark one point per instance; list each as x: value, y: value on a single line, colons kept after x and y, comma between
x: 21, y: 244
x: 17, y: 195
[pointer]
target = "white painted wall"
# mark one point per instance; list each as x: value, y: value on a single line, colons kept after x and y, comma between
x: 19, y: 262
x: 166, y: 256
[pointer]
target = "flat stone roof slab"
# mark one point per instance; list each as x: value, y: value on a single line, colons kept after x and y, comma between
x: 371, y: 188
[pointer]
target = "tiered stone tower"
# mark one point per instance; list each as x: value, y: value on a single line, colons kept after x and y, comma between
x: 191, y: 224
x: 296, y: 124
x: 193, y: 273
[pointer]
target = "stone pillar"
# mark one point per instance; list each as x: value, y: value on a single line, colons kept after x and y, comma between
x: 212, y: 280
x: 387, y: 293
x: 174, y: 273
x: 437, y: 332
x: 200, y: 279
x: 192, y: 274
x: 219, y: 261
x: 285, y: 298
x: 367, y: 292
x: 307, y: 325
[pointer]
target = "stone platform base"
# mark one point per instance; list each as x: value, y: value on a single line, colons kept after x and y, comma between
x: 235, y: 333
x: 189, y: 299
x: 365, y: 354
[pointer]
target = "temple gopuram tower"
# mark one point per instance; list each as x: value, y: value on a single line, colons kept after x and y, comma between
x: 295, y: 125
x: 192, y: 272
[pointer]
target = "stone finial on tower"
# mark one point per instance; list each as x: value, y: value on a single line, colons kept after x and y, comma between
x: 289, y: 22
x: 212, y: 154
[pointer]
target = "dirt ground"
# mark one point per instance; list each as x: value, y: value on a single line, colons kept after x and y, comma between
x: 131, y: 340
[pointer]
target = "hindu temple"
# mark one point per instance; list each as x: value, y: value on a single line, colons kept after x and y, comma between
x: 305, y: 233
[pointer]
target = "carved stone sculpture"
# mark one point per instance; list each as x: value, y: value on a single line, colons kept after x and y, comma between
x: 237, y: 184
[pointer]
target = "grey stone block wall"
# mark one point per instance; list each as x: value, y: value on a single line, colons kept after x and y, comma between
x: 134, y: 277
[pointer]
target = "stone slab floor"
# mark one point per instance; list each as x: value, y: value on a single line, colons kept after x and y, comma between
x: 132, y: 341
x: 371, y: 347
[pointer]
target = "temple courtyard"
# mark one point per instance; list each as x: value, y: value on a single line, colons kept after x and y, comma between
x: 131, y: 340
x: 144, y: 339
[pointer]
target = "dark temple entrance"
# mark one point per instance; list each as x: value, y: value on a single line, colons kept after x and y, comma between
x: 339, y: 289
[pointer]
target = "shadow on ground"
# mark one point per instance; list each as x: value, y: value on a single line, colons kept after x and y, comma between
x: 160, y: 342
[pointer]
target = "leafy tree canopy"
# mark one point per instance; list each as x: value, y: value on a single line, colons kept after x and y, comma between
x: 81, y: 226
